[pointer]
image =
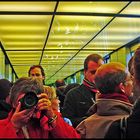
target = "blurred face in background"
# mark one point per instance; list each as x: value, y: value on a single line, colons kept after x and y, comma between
x: 128, y: 85
x: 92, y: 67
x: 36, y: 73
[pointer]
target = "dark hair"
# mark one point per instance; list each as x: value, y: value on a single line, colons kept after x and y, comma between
x: 5, y: 86
x: 59, y: 82
x: 91, y: 57
x: 40, y: 67
x: 109, y: 76
x: 136, y: 61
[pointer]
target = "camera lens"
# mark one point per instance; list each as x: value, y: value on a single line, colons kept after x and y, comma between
x: 29, y: 100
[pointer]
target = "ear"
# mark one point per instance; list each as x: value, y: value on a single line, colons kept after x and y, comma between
x: 122, y: 87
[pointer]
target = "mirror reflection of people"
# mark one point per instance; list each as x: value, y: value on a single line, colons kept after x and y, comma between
x: 37, y: 71
x: 39, y: 121
x: 5, y: 108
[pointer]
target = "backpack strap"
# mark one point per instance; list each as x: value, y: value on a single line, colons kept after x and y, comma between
x: 123, y: 127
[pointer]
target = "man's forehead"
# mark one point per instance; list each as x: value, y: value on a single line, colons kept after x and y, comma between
x: 36, y: 70
x: 94, y: 64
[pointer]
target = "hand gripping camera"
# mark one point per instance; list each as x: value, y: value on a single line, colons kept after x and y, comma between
x: 29, y: 100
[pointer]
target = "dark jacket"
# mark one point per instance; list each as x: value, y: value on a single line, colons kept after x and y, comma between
x: 61, y: 96
x: 133, y: 125
x: 76, y: 104
x: 5, y: 108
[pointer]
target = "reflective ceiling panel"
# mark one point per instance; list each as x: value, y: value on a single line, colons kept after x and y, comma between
x: 24, y: 31
x: 91, y: 6
x: 60, y: 34
x: 27, y: 6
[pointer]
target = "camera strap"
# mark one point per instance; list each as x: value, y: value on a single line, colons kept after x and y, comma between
x: 25, y: 132
x: 123, y: 127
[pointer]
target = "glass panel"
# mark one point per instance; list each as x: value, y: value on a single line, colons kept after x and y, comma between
x: 27, y: 6
x: 133, y: 8
x: 89, y: 6
x: 23, y: 32
x: 2, y: 64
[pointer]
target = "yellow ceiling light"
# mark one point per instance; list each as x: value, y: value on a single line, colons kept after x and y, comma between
x: 88, y: 6
x: 23, y: 43
x: 27, y: 6
x: 24, y: 28
x: 81, y: 19
x: 134, y: 8
x: 26, y: 36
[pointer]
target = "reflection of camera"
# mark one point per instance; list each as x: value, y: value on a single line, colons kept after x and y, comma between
x: 29, y: 100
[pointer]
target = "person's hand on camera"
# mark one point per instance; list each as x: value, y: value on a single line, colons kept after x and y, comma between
x: 44, y: 104
x: 21, y: 118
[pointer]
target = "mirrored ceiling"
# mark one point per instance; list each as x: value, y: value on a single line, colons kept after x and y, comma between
x: 60, y: 34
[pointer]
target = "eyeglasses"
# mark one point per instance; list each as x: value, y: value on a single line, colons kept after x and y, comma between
x: 130, y: 79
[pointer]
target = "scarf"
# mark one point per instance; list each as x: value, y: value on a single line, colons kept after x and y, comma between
x: 90, y: 86
x: 117, y: 96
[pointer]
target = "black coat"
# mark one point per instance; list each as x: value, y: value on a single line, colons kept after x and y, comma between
x: 5, y: 108
x: 76, y: 104
x: 133, y: 125
x: 61, y: 96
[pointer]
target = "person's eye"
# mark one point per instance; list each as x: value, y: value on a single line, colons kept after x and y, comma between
x: 93, y: 72
x: 37, y: 74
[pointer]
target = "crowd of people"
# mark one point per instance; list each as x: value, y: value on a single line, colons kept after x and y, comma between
x: 105, y: 105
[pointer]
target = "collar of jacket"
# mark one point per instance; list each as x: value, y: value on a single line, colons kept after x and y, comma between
x: 117, y: 96
x: 91, y: 86
x: 109, y: 107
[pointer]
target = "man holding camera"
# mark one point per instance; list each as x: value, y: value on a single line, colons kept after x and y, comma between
x: 32, y: 115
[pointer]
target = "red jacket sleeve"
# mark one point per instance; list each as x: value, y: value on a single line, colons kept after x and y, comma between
x: 63, y: 130
x: 7, y: 130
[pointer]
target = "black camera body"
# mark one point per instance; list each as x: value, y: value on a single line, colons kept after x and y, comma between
x: 29, y: 100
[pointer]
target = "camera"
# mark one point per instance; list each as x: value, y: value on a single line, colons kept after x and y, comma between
x: 29, y: 100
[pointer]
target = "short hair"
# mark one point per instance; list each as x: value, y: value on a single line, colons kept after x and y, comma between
x: 25, y: 85
x: 92, y: 57
x: 136, y: 61
x: 109, y: 76
x: 60, y: 82
x: 37, y: 66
